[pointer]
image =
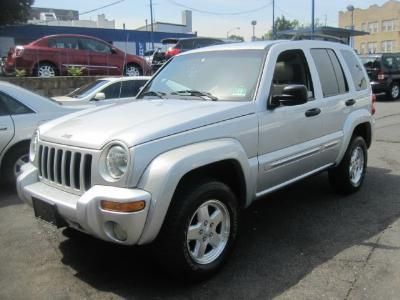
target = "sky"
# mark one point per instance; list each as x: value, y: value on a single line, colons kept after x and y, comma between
x: 134, y: 13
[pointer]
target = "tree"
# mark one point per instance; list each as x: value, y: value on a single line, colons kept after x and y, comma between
x: 281, y: 24
x: 236, y: 37
x: 14, y: 11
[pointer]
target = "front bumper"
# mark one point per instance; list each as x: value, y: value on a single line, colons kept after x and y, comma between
x: 84, y: 212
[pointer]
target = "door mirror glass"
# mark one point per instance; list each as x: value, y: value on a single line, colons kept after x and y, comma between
x: 99, y: 96
x: 294, y: 94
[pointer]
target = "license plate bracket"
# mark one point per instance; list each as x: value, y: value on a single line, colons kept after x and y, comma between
x: 48, y: 213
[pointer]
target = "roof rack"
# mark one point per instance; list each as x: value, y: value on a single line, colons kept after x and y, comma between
x: 302, y: 36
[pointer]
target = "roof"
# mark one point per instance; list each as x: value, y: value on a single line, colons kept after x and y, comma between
x: 325, y: 30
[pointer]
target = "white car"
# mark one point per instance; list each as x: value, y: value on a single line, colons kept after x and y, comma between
x: 21, y: 112
x: 105, y: 90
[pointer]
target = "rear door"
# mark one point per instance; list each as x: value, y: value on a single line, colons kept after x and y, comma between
x: 97, y: 56
x: 66, y: 53
x: 6, y: 126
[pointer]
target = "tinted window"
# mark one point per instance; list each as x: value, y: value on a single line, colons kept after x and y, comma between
x: 131, y: 88
x: 94, y: 46
x: 291, y: 68
x: 65, y: 43
x: 371, y: 62
x: 185, y: 44
x: 113, y: 90
x: 341, y: 79
x: 329, y: 72
x: 356, y: 70
x: 391, y: 63
x: 14, y: 107
x: 3, y: 109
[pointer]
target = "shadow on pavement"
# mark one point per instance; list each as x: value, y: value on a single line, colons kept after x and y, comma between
x: 282, y: 239
x: 7, y: 196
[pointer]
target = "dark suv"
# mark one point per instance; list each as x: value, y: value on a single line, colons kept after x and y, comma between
x: 384, y: 73
x: 56, y: 54
x: 174, y: 46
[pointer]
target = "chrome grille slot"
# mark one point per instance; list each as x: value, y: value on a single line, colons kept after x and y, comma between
x: 67, y: 169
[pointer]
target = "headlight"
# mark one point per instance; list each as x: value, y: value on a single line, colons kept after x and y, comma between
x: 33, y: 146
x: 116, y: 161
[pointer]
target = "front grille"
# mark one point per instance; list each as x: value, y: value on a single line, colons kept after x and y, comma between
x: 68, y: 169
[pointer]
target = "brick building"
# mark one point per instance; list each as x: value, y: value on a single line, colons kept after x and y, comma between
x: 383, y: 24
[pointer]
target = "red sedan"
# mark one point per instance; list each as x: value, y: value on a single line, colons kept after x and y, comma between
x: 55, y: 54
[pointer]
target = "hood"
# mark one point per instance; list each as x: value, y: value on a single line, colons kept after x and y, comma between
x: 138, y: 122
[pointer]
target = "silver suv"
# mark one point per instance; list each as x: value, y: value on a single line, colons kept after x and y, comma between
x: 214, y: 130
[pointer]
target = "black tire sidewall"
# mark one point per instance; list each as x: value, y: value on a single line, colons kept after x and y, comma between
x: 183, y: 209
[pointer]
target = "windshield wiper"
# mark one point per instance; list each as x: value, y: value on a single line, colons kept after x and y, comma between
x: 154, y: 93
x: 196, y: 94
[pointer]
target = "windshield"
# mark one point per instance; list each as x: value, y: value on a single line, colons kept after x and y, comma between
x: 371, y: 62
x: 87, y: 89
x: 223, y: 75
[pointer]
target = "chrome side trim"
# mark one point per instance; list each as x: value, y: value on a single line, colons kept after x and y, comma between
x: 89, y: 66
x: 292, y: 158
x: 282, y: 185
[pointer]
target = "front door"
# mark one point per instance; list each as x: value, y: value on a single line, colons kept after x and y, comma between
x: 6, y: 127
x: 289, y: 136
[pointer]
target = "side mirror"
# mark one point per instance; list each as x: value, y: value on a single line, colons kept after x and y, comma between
x: 99, y: 96
x: 294, y: 94
x: 113, y: 50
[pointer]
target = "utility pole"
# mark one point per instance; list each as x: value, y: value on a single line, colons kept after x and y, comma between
x: 151, y: 25
x: 273, y: 20
x: 313, y: 19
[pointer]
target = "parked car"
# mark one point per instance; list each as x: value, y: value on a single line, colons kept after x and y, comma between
x: 174, y: 46
x: 105, y: 90
x: 21, y: 112
x: 175, y: 167
x: 384, y: 73
x: 53, y: 55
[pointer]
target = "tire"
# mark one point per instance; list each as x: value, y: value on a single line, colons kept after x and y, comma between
x: 132, y: 70
x: 394, y: 91
x: 348, y: 176
x: 45, y: 70
x: 12, y: 163
x: 179, y: 249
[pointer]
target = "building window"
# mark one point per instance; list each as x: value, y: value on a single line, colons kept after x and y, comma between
x: 372, y: 47
x: 387, y: 46
x: 388, y: 25
x: 363, y: 27
x: 363, y: 49
x: 373, y: 27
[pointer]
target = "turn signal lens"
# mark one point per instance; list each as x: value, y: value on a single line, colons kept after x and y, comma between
x: 126, y: 207
x: 373, y: 99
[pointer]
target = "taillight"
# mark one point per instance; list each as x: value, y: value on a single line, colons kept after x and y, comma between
x: 172, y: 52
x: 373, y: 100
x: 381, y: 76
x: 18, y: 51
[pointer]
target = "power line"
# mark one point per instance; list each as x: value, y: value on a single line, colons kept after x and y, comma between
x: 220, y: 13
x: 105, y: 6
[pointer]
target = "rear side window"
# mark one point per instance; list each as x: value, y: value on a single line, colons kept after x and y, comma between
x: 13, y: 106
x: 131, y: 88
x: 356, y: 70
x: 64, y: 43
x: 330, y: 72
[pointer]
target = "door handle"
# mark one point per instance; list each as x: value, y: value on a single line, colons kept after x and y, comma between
x: 313, y: 112
x: 350, y: 102
x: 3, y: 128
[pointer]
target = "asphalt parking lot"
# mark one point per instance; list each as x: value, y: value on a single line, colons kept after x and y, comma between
x: 304, y: 242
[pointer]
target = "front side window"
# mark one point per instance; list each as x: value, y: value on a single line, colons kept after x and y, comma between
x: 291, y: 68
x: 113, y: 90
x: 13, y: 106
x: 94, y: 46
x: 356, y: 69
x: 130, y: 88
x: 3, y: 109
x: 223, y: 75
x: 330, y: 72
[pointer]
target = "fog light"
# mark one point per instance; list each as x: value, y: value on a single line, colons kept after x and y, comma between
x: 126, y: 207
x: 119, y: 232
